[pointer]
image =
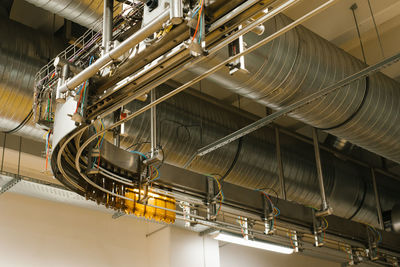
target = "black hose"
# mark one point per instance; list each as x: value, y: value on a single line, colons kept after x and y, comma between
x: 22, y: 124
x: 355, y: 112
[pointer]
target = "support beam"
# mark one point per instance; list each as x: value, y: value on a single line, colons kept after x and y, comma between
x: 280, y: 163
x: 107, y: 25
x: 377, y: 200
x: 324, y: 202
x: 9, y: 185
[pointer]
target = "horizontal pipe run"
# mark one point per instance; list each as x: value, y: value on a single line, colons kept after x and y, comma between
x: 197, y: 60
x: 115, y: 53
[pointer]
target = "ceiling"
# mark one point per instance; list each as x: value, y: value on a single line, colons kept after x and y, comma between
x: 335, y: 24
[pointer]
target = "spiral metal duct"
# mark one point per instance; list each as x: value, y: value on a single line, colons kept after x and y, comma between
x: 300, y: 63
x: 23, y: 52
x: 187, y: 123
x: 85, y: 12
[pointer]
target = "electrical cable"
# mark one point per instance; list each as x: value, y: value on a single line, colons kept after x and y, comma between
x: 239, y: 149
x: 138, y: 153
x: 22, y: 124
x: 220, y: 193
x: 199, y: 19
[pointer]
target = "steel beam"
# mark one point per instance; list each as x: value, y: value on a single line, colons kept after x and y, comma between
x: 108, y: 10
x: 280, y: 163
x: 377, y: 200
x: 324, y: 202
x: 9, y: 185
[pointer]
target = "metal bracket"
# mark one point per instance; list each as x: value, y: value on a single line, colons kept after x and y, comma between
x: 268, y: 217
x: 9, y: 185
x: 294, y: 239
x: 186, y: 213
x: 325, y: 209
x: 235, y: 48
x: 118, y: 214
x: 372, y: 246
x: 318, y: 230
x: 210, y: 201
x: 245, y: 227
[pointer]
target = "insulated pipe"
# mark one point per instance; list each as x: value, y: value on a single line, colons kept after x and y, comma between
x: 84, y: 12
x: 23, y: 51
x: 186, y: 123
x: 299, y: 63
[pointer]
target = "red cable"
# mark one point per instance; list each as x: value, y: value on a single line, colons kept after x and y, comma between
x: 80, y: 97
x: 198, y: 21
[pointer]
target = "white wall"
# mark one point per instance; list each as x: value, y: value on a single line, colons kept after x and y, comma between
x: 239, y: 256
x: 35, y: 232
x: 41, y: 233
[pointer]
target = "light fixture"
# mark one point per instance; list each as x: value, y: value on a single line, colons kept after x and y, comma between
x: 251, y: 243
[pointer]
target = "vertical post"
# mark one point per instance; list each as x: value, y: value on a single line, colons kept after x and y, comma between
x: 107, y: 24
x: 176, y: 11
x: 117, y: 130
x: 319, y: 170
x: 353, y: 9
x: 377, y: 201
x: 280, y: 163
x: 4, y: 150
x: 376, y: 29
x: 19, y: 156
x: 153, y: 123
x: 211, y: 207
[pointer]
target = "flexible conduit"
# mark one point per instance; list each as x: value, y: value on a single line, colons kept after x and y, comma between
x: 299, y: 63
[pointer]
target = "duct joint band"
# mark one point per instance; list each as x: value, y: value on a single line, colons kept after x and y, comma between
x: 355, y: 112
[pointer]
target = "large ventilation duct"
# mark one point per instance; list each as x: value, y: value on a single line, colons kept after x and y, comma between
x: 86, y: 12
x: 299, y: 63
x: 23, y: 51
x: 187, y: 123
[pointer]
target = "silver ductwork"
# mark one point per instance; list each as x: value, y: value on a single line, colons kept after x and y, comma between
x: 83, y: 12
x: 187, y: 123
x: 23, y: 51
x: 300, y: 63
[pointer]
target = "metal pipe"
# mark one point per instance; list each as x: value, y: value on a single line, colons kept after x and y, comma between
x: 280, y: 163
x: 197, y: 79
x: 109, y: 57
x: 107, y: 25
x: 212, y: 51
x: 64, y: 75
x: 377, y: 200
x: 176, y: 7
x: 353, y: 9
x: 3, y: 152
x: 376, y: 29
x: 324, y: 203
x: 238, y: 10
x: 19, y: 156
x: 153, y: 123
